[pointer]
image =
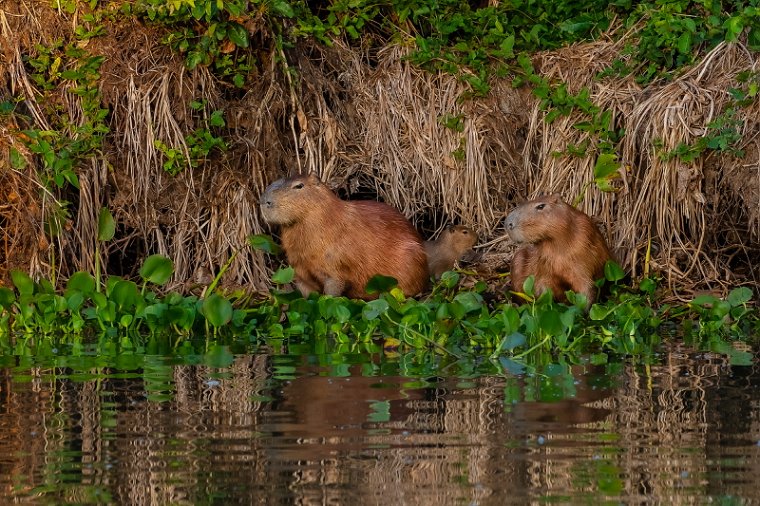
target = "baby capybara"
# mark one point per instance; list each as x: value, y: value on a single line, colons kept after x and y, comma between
x: 336, y: 246
x: 443, y: 252
x: 559, y: 245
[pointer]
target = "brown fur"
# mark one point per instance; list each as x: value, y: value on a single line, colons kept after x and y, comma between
x: 442, y: 253
x: 336, y: 246
x: 560, y: 246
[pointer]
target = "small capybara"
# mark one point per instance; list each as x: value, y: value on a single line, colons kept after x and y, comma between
x: 442, y: 253
x: 336, y: 246
x: 559, y: 245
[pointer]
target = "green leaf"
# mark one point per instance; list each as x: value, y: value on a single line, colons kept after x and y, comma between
x: 449, y: 279
x: 23, y: 282
x: 74, y: 301
x: 704, y: 300
x: 219, y: 356
x: 528, y: 285
x: 217, y: 310
x: 237, y: 34
x: 157, y: 269
x: 17, y: 159
x: 648, y: 285
x: 753, y: 38
x: 7, y: 297
x: 380, y: 284
x: 81, y: 281
x: 606, y: 164
x: 374, y: 308
x: 512, y: 341
x: 282, y: 8
x: 612, y: 271
x: 283, y: 275
x: 600, y: 312
x: 739, y: 296
x: 470, y: 301
x: 512, y: 366
x: 551, y: 323
x: 126, y: 320
x: 734, y: 26
x: 125, y: 294
x: 106, y: 225
x: 684, y: 43
x: 264, y: 242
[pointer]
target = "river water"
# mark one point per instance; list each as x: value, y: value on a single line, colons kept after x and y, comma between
x: 373, y: 428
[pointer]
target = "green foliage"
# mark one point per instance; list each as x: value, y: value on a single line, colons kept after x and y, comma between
x: 200, y: 143
x: 122, y: 308
x: 157, y: 269
x: 675, y: 33
x: 448, y: 322
x: 71, y: 141
x: 213, y: 33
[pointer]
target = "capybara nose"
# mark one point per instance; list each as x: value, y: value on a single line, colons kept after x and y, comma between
x: 509, y: 223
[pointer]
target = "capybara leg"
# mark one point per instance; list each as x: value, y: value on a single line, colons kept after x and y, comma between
x: 520, y: 269
x: 589, y: 290
x: 334, y: 287
x: 306, y: 287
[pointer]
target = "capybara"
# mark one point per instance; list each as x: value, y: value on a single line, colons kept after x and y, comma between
x: 442, y: 253
x: 559, y: 245
x: 336, y: 246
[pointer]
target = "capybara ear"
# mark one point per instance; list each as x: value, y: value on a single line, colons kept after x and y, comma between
x: 312, y: 177
x: 554, y: 198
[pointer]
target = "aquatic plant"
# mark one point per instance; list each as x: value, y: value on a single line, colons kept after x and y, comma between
x: 449, y: 321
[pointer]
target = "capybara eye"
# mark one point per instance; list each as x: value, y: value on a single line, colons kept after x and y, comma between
x: 298, y: 186
x: 540, y: 206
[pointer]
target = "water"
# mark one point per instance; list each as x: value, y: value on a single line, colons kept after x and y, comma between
x: 266, y: 428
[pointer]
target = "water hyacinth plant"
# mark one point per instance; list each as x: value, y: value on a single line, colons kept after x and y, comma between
x: 449, y: 321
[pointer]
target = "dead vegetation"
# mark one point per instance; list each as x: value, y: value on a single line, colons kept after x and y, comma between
x: 374, y: 126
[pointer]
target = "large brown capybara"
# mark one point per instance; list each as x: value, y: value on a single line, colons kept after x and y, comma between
x: 450, y: 246
x: 559, y: 245
x: 336, y: 246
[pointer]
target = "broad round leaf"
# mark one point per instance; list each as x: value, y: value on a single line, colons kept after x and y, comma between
x: 470, y: 301
x: 106, y: 225
x: 125, y: 294
x: 157, y: 269
x: 613, y: 271
x: 81, y: 281
x: 218, y: 356
x: 739, y: 296
x: 217, y: 310
x: 374, y: 308
x: 23, y: 282
x: 449, y: 279
x: 551, y: 323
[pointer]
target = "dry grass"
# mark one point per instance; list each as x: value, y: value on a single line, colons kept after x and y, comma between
x: 373, y: 126
x: 664, y: 202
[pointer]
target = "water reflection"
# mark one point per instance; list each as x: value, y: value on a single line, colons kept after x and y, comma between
x: 297, y: 429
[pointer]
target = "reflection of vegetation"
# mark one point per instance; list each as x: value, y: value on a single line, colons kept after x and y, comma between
x: 451, y: 322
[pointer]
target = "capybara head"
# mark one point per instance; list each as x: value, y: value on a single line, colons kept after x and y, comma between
x: 288, y: 200
x: 538, y: 220
x: 459, y: 238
